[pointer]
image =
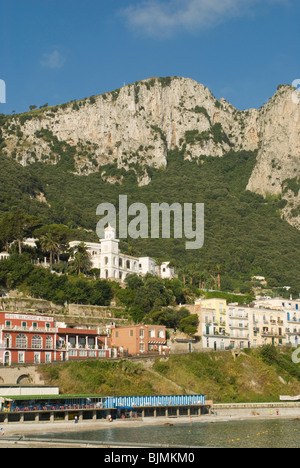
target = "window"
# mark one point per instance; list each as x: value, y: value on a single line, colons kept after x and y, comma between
x: 48, y: 357
x: 91, y: 343
x: 21, y: 341
x: 21, y: 357
x: 161, y: 334
x: 49, y: 342
x: 37, y: 342
x: 117, y: 334
x: 131, y: 333
x: 8, y: 324
x: 142, y: 334
x: 37, y: 358
x: 48, y: 326
x: 7, y: 341
x: 24, y: 325
x: 81, y: 342
x: 152, y: 333
x: 128, y: 265
x: 34, y: 325
x: 142, y: 347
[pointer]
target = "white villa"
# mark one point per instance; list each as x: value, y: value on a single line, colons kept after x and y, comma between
x: 4, y: 256
x: 115, y: 266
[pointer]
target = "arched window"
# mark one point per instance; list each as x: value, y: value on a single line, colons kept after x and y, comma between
x: 49, y: 342
x: 21, y: 341
x: 106, y: 260
x: 128, y: 264
x: 120, y: 263
x: 7, y: 341
x: 37, y: 342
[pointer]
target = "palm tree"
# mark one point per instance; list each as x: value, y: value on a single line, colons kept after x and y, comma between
x: 49, y: 243
x: 219, y: 270
x: 215, y: 272
x: 81, y: 262
x: 201, y: 277
x: 210, y: 270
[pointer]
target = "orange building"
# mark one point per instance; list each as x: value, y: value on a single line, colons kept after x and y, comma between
x: 140, y: 339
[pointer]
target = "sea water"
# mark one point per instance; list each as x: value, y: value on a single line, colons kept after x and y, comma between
x: 275, y: 433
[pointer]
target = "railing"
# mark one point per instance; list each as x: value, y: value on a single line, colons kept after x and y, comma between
x: 237, y: 317
x: 272, y: 334
x: 59, y: 407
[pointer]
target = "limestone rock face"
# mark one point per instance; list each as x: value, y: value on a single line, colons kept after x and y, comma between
x: 279, y: 144
x: 135, y: 127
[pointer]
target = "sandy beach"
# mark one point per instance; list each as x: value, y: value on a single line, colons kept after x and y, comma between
x: 28, y: 429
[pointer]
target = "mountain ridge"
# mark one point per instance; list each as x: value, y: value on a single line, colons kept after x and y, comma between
x: 133, y: 129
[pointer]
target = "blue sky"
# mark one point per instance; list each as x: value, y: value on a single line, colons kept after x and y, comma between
x: 55, y: 51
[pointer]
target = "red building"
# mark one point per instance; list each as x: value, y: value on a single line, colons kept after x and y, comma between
x: 35, y: 339
x: 74, y: 343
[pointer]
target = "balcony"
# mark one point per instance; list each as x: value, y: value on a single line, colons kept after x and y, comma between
x: 274, y: 322
x: 238, y: 317
x: 272, y: 334
x: 292, y: 332
x: 240, y: 337
x: 239, y: 327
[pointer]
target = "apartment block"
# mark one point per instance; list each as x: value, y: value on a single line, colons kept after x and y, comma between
x: 139, y: 340
x: 223, y: 327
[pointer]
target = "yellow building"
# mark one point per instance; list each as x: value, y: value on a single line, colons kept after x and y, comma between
x: 213, y: 326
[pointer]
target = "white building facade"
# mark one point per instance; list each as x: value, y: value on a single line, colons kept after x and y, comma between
x: 115, y: 266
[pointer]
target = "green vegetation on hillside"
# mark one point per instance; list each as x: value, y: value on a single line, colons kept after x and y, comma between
x: 244, y: 233
x: 106, y: 378
x: 252, y: 377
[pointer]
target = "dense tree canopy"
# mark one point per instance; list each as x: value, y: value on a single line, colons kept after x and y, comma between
x: 244, y: 233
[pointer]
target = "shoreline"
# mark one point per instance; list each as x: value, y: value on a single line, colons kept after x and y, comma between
x: 27, y: 429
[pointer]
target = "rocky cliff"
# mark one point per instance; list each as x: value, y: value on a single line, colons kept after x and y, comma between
x: 135, y: 127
